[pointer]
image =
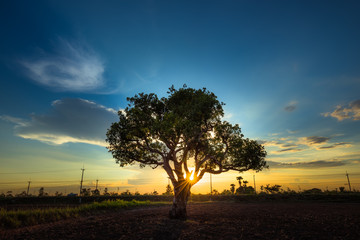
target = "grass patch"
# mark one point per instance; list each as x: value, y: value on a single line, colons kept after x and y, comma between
x: 21, y: 218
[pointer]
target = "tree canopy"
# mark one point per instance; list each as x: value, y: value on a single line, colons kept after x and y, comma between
x: 180, y: 130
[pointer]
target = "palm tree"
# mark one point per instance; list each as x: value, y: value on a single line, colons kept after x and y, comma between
x: 232, y: 189
x: 239, y: 178
x: 245, y: 182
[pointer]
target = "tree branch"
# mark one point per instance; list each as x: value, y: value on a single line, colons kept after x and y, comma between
x: 178, y: 169
x: 185, y: 165
x: 147, y: 147
x: 153, y: 150
x: 169, y: 171
x: 198, y: 165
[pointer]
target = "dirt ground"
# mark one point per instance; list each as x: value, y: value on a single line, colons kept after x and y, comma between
x: 216, y: 220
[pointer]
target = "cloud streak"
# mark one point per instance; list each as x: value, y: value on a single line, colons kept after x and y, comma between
x: 71, y: 68
x: 69, y: 120
x: 335, y: 145
x: 291, y: 106
x: 314, y: 140
x: 292, y: 145
x: 305, y: 165
x: 285, y: 145
x: 350, y: 111
x: 290, y: 150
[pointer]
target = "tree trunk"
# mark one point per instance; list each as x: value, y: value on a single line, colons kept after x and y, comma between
x: 182, y: 193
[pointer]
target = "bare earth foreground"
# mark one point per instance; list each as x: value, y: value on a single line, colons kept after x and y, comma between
x: 216, y: 220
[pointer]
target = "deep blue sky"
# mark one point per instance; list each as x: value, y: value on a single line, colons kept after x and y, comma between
x: 288, y: 71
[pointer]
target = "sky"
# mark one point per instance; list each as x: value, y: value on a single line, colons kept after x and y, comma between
x: 288, y: 72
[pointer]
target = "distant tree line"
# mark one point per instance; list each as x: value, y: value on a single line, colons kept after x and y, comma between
x: 243, y: 188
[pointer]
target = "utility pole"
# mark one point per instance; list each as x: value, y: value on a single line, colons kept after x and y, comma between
x: 254, y: 184
x: 96, y: 184
x: 347, y: 175
x: 82, y: 177
x: 210, y: 187
x: 27, y: 192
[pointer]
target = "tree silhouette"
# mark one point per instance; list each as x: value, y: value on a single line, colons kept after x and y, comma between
x: 95, y: 192
x: 244, y: 189
x: 226, y: 192
x: 178, y: 131
x: 85, y: 192
x: 58, y: 194
x: 239, y: 178
x: 215, y: 192
x: 22, y: 194
x: 106, y: 192
x: 168, y: 190
x: 232, y: 188
x: 245, y: 182
x: 126, y: 193
x: 271, y: 189
x: 41, y: 192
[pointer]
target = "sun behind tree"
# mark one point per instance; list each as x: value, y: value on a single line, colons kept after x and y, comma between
x: 174, y: 131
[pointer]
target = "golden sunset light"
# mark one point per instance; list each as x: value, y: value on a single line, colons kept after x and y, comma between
x: 180, y: 119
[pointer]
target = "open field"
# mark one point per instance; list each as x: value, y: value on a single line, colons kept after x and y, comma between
x: 209, y: 220
x: 63, y: 201
x: 28, y: 214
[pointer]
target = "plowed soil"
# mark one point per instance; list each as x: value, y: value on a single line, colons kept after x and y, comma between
x: 216, y: 220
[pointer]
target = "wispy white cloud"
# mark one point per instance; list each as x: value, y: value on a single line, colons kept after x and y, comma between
x: 69, y: 120
x: 58, y: 139
x: 18, y: 121
x: 350, y: 111
x: 274, y: 134
x: 140, y: 77
x: 228, y: 116
x: 73, y: 67
x: 291, y: 132
x: 284, y: 145
x: 280, y: 143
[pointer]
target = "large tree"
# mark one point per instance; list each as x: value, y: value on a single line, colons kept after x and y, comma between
x: 184, y: 134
